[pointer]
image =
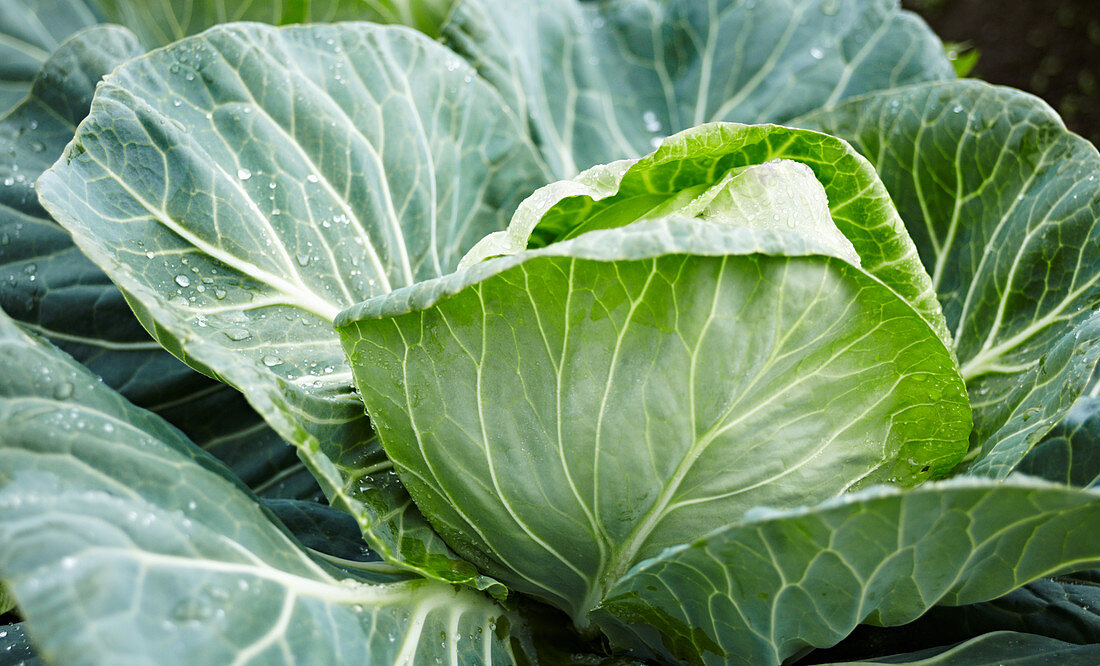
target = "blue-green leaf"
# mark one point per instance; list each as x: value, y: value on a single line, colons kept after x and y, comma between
x: 284, y: 175
x: 119, y: 537
x: 1004, y: 205
x: 771, y: 585
x: 29, y: 32
x: 51, y: 288
x: 602, y: 81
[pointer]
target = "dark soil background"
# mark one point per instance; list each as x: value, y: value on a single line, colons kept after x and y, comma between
x: 1050, y: 48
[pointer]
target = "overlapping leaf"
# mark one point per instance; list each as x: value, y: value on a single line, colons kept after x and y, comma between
x: 50, y: 287
x: 29, y: 32
x: 244, y: 186
x: 1070, y: 453
x: 564, y: 413
x: 606, y: 81
x: 120, y: 537
x: 1064, y: 610
x: 999, y: 649
x: 769, y: 586
x: 1004, y: 205
x: 160, y: 22
x: 15, y: 648
x: 688, y: 163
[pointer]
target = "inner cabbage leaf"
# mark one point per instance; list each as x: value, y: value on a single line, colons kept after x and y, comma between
x: 564, y: 413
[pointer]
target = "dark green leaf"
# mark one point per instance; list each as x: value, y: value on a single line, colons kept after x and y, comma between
x: 15, y: 648
x: 322, y: 529
x: 1070, y: 453
x: 1000, y: 649
x: 1064, y: 609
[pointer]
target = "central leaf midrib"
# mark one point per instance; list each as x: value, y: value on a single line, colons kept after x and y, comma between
x: 624, y: 558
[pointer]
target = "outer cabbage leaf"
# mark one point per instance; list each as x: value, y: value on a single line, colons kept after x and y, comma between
x: 777, y: 582
x: 120, y: 537
x: 602, y: 81
x: 29, y: 31
x: 1002, y: 648
x: 51, y: 288
x: 1004, y: 205
x: 15, y: 648
x: 243, y: 186
x: 1070, y: 453
x: 1063, y: 609
x: 323, y: 529
x: 161, y: 22
x: 565, y: 413
x: 688, y: 163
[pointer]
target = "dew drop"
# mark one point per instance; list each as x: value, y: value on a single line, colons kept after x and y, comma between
x: 183, y: 281
x: 272, y: 361
x: 313, y: 178
x: 244, y: 174
x: 63, y: 391
x: 219, y: 294
x: 302, y: 259
x: 816, y: 53
x: 237, y: 334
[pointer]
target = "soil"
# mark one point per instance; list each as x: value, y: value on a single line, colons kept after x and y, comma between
x: 1050, y: 48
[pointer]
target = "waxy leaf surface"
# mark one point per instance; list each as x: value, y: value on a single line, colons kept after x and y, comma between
x: 1004, y: 205
x: 243, y: 186
x: 29, y: 31
x: 771, y: 585
x: 602, y: 81
x: 120, y: 537
x: 53, y: 289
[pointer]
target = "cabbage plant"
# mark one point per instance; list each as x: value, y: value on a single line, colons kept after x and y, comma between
x: 639, y: 331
